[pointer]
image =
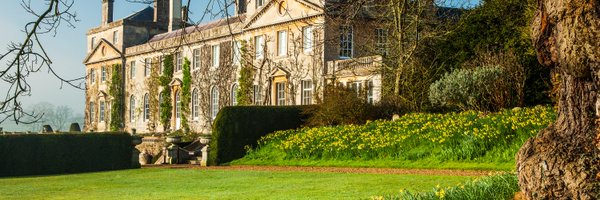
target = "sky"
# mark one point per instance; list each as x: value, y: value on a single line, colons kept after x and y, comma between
x: 67, y: 48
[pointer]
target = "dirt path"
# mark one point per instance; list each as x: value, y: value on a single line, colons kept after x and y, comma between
x: 443, y: 172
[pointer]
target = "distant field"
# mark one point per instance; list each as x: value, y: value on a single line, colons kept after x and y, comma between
x: 158, y: 183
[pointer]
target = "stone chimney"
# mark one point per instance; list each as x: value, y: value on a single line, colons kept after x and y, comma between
x: 107, y: 11
x: 240, y: 7
x: 161, y: 11
x: 174, y: 15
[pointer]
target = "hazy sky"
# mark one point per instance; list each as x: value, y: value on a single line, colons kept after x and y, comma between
x: 68, y: 48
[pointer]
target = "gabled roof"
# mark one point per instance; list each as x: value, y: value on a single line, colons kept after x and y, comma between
x: 199, y: 27
x: 144, y: 15
x: 308, y: 3
x: 97, y: 47
x: 175, y: 82
x: 279, y: 69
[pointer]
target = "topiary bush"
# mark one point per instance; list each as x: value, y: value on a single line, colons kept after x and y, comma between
x: 39, y: 154
x: 240, y: 127
x: 470, y: 89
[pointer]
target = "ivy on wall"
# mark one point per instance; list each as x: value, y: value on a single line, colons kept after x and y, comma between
x: 115, y: 90
x: 246, y: 80
x: 185, y: 94
x: 165, y: 106
x: 152, y: 84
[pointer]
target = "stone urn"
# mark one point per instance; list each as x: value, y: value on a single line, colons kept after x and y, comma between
x: 205, y: 139
x: 173, y: 139
x: 136, y: 140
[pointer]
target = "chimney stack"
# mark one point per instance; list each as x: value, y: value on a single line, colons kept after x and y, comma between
x: 161, y: 11
x: 184, y: 14
x: 107, y: 11
x: 174, y: 15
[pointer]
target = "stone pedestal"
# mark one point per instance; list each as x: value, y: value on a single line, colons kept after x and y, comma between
x: 204, y: 161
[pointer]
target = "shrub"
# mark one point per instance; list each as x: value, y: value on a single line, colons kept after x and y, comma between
x: 64, y: 153
x: 497, y: 187
x: 469, y: 89
x: 340, y: 106
x: 241, y: 126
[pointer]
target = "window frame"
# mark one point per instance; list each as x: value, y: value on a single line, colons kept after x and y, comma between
x: 282, y: 43
x: 308, y: 39
x: 115, y: 37
x: 103, y: 74
x: 346, y: 42
x: 280, y: 93
x: 178, y: 61
x: 132, y: 69
x: 259, y: 45
x: 234, y: 89
x: 147, y: 67
x: 370, y: 92
x: 178, y: 105
x: 307, y: 92
x: 197, y: 60
x: 146, y: 107
x: 260, y: 3
x: 216, y: 54
x: 101, y: 112
x: 381, y: 41
x: 214, y: 102
x: 92, y: 76
x: 195, y: 104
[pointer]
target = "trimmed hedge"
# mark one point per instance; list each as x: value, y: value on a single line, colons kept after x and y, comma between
x: 241, y: 126
x: 42, y: 154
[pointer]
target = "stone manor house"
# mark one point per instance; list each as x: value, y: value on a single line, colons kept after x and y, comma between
x: 294, y: 47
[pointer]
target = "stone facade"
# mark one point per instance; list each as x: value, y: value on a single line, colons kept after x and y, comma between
x: 293, y: 46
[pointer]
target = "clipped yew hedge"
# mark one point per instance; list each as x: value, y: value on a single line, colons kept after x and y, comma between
x: 42, y: 154
x: 241, y: 126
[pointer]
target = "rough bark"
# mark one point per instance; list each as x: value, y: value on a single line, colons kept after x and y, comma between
x: 562, y: 161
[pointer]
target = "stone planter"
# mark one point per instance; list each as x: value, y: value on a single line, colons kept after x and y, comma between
x: 173, y: 139
x: 136, y: 140
x: 205, y: 139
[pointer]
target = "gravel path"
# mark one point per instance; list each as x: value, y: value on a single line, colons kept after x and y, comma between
x: 442, y: 172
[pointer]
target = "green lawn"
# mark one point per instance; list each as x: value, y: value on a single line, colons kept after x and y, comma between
x: 216, y: 184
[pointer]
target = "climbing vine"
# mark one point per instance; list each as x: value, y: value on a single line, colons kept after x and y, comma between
x: 116, y: 92
x: 185, y: 94
x: 152, y: 84
x: 165, y: 106
x: 246, y: 80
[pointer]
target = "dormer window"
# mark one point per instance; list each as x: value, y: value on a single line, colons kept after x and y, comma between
x: 259, y: 3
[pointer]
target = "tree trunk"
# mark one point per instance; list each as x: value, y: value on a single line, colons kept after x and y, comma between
x: 562, y: 161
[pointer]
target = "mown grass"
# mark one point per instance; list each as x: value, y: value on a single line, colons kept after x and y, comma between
x: 217, y: 184
x: 466, y: 140
x: 498, y: 187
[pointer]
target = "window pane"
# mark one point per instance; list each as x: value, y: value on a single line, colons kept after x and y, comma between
x: 260, y: 47
x: 282, y: 43
x: 280, y: 87
x: 216, y: 54
x: 346, y: 41
x: 307, y: 33
x: 196, y: 59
